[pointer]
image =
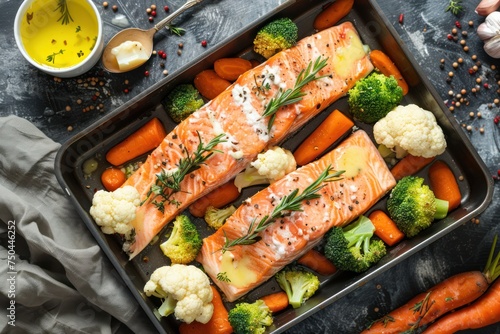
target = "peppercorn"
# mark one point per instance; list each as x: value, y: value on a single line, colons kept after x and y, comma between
x: 105, y: 4
x: 204, y: 43
x: 471, y: 23
x: 166, y: 8
x: 114, y: 8
x: 460, y: 60
x: 466, y: 48
x: 450, y: 74
x: 474, y: 57
x: 454, y: 31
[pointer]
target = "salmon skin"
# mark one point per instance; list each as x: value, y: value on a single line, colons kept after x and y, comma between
x: 236, y: 113
x: 365, y: 181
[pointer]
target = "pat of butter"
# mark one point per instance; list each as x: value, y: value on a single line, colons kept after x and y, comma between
x: 129, y: 55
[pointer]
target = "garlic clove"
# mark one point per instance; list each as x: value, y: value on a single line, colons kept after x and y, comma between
x: 486, y: 7
x: 492, y: 47
x: 485, y: 32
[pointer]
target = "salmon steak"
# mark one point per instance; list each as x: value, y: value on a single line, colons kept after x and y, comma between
x: 366, y: 179
x: 236, y: 116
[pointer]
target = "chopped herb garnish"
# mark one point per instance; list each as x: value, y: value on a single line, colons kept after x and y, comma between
x: 62, y: 6
x: 168, y: 183
x: 290, y: 96
x: 455, y: 7
x: 78, y: 29
x: 291, y: 202
x: 176, y: 30
x: 51, y: 58
x: 223, y: 277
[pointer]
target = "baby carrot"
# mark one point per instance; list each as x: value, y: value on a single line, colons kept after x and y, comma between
x: 112, y: 178
x: 217, y: 198
x: 483, y: 312
x: 331, y: 129
x: 453, y: 292
x: 409, y: 165
x: 444, y: 184
x: 231, y: 68
x: 385, y: 228
x: 385, y: 65
x: 209, y: 84
x: 318, y: 262
x: 218, y: 324
x: 276, y: 302
x: 146, y: 138
x: 448, y: 295
x: 330, y: 15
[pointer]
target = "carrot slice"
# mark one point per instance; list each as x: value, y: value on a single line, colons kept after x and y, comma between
x: 231, y: 68
x: 217, y: 198
x: 409, y: 165
x: 210, y: 84
x: 385, y: 228
x: 148, y: 137
x: 318, y: 262
x: 330, y: 15
x: 276, y: 302
x: 113, y: 178
x: 331, y: 129
x: 444, y: 184
x: 387, y: 67
x: 218, y: 324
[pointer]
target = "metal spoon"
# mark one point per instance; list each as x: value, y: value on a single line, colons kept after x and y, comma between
x: 145, y: 37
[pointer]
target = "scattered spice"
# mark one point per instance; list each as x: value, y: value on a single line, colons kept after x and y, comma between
x: 114, y: 8
x: 204, y: 43
x: 401, y: 18
x: 105, y: 4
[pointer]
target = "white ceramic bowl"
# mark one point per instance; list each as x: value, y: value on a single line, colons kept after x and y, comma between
x: 35, y: 18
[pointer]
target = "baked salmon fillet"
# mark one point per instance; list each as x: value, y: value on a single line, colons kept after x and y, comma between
x: 236, y: 114
x: 365, y: 181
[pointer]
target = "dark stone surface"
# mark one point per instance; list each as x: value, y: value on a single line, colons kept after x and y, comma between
x: 26, y: 92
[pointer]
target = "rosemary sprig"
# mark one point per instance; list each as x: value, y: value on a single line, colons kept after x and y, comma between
x: 291, y: 202
x: 290, y: 96
x: 168, y: 183
x: 62, y: 6
x: 176, y: 30
x: 455, y: 7
x: 52, y: 58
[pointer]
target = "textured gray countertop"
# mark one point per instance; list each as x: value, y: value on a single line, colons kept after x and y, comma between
x: 61, y: 109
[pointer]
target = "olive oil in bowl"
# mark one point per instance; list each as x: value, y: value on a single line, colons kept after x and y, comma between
x: 58, y: 35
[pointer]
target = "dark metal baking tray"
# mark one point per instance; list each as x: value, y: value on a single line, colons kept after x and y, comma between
x: 375, y: 31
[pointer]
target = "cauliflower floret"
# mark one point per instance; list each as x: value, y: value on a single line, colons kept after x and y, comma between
x: 113, y: 211
x: 410, y: 129
x: 269, y: 167
x: 186, y: 292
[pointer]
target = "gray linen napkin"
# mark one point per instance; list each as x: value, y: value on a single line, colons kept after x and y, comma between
x: 59, y: 279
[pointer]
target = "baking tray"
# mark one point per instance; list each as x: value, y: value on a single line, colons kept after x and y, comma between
x: 376, y: 32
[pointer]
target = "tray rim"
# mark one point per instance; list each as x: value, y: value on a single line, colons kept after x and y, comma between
x: 350, y: 285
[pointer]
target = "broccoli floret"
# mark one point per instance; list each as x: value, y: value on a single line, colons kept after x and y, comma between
x: 250, y: 318
x: 182, y: 101
x: 184, y: 242
x: 298, y: 284
x: 351, y: 248
x: 413, y: 206
x: 276, y: 36
x: 373, y: 97
x: 215, y: 218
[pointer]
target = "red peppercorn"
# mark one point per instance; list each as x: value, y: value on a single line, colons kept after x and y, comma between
x: 449, y: 36
x: 166, y: 8
x: 150, y: 19
x: 486, y: 86
x: 204, y: 43
x: 146, y: 73
x: 496, y: 120
x: 126, y: 90
x: 458, y: 25
x: 401, y: 18
x: 153, y: 13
